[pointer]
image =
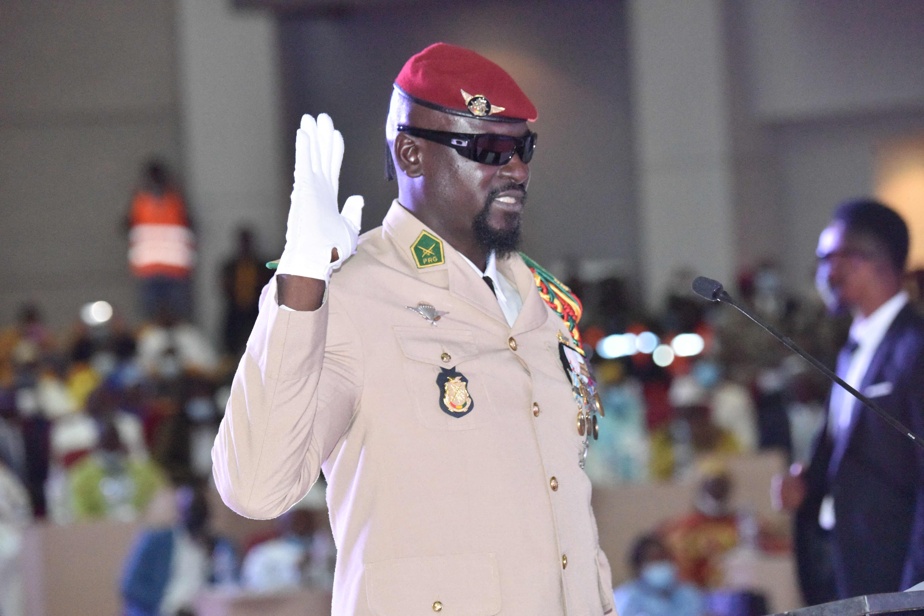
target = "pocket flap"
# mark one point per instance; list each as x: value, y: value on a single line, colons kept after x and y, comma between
x: 429, y: 344
x: 454, y: 585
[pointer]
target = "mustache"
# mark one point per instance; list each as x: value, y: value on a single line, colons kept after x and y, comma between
x: 509, y: 187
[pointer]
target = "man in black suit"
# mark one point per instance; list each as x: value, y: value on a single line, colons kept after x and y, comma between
x: 859, y: 503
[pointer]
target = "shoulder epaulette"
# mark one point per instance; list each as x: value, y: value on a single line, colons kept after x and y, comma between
x: 558, y: 296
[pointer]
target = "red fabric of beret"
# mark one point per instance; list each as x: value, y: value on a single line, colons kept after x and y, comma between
x: 456, y: 80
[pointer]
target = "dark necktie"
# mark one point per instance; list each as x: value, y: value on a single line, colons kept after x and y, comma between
x: 490, y: 284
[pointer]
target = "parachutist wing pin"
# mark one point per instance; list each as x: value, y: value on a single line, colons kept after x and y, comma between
x: 428, y: 312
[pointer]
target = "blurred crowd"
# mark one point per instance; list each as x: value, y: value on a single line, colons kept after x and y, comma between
x: 155, y: 392
x: 738, y: 390
x: 109, y: 420
x: 95, y: 423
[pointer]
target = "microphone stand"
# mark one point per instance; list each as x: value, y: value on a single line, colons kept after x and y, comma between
x: 712, y: 291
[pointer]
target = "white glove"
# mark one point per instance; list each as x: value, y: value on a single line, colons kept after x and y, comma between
x: 315, y: 226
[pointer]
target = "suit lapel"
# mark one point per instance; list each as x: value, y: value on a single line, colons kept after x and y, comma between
x: 873, y: 374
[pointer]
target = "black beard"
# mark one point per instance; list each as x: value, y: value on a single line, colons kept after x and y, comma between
x: 501, y: 242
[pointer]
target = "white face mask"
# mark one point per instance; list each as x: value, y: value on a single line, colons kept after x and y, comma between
x: 660, y: 575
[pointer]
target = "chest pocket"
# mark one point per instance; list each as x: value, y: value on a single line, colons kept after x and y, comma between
x: 444, y: 378
x: 457, y: 585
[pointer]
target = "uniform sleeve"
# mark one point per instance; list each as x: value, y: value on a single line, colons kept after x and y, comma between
x: 275, y: 432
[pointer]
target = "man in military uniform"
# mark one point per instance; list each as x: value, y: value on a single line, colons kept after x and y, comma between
x: 435, y: 377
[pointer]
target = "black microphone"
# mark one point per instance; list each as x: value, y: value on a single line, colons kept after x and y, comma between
x: 711, y: 290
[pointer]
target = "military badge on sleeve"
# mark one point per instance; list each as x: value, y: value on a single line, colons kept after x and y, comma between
x: 454, y: 397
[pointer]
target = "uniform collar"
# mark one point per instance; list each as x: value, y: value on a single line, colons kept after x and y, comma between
x: 454, y: 273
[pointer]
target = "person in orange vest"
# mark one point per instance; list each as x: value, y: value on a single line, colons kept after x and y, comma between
x: 162, y: 244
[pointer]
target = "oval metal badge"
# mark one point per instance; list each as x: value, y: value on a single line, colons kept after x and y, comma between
x: 455, y: 399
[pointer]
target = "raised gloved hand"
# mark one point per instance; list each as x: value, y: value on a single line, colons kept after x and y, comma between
x: 315, y: 226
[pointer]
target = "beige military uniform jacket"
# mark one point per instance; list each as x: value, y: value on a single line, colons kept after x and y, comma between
x: 440, y: 501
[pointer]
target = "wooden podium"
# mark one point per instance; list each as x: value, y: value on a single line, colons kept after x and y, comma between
x: 903, y: 603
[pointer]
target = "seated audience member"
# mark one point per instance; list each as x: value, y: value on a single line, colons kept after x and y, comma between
x: 656, y: 589
x: 110, y: 483
x: 82, y: 377
x: 75, y: 434
x: 690, y: 435
x: 301, y: 556
x: 30, y: 328
x: 12, y: 442
x: 621, y: 454
x: 169, y: 347
x: 15, y: 515
x: 805, y: 406
x: 24, y: 422
x: 168, y: 567
x: 51, y: 392
x: 701, y: 538
x: 183, y: 438
x: 126, y: 373
x: 732, y: 405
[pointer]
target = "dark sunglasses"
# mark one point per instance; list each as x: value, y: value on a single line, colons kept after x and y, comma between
x: 484, y: 148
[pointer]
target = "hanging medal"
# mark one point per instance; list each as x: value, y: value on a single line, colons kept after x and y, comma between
x: 584, y: 392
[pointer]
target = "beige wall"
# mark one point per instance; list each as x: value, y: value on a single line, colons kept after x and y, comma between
x: 89, y: 91
x: 91, y: 88
x: 900, y: 184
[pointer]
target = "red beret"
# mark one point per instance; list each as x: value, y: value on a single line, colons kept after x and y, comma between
x: 461, y: 82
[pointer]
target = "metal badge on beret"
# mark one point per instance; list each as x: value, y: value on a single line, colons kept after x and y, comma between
x: 434, y: 76
x: 479, y: 105
x: 455, y: 400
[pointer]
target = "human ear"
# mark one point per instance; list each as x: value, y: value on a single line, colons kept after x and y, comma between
x: 408, y: 155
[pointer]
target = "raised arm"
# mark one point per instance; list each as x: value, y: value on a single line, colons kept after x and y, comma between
x: 273, y: 436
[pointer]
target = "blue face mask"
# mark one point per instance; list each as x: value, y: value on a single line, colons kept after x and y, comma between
x: 706, y: 373
x: 199, y: 409
x: 661, y: 575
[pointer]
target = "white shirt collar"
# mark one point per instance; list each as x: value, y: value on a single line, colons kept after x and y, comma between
x: 490, y: 268
x: 870, y: 330
x: 507, y: 296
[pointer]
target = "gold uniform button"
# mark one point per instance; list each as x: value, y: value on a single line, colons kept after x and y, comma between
x: 445, y: 357
x: 564, y: 561
x: 437, y: 606
x: 535, y: 409
x: 512, y: 343
x: 553, y: 483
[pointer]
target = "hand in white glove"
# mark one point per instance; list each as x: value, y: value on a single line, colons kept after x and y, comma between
x: 315, y: 226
